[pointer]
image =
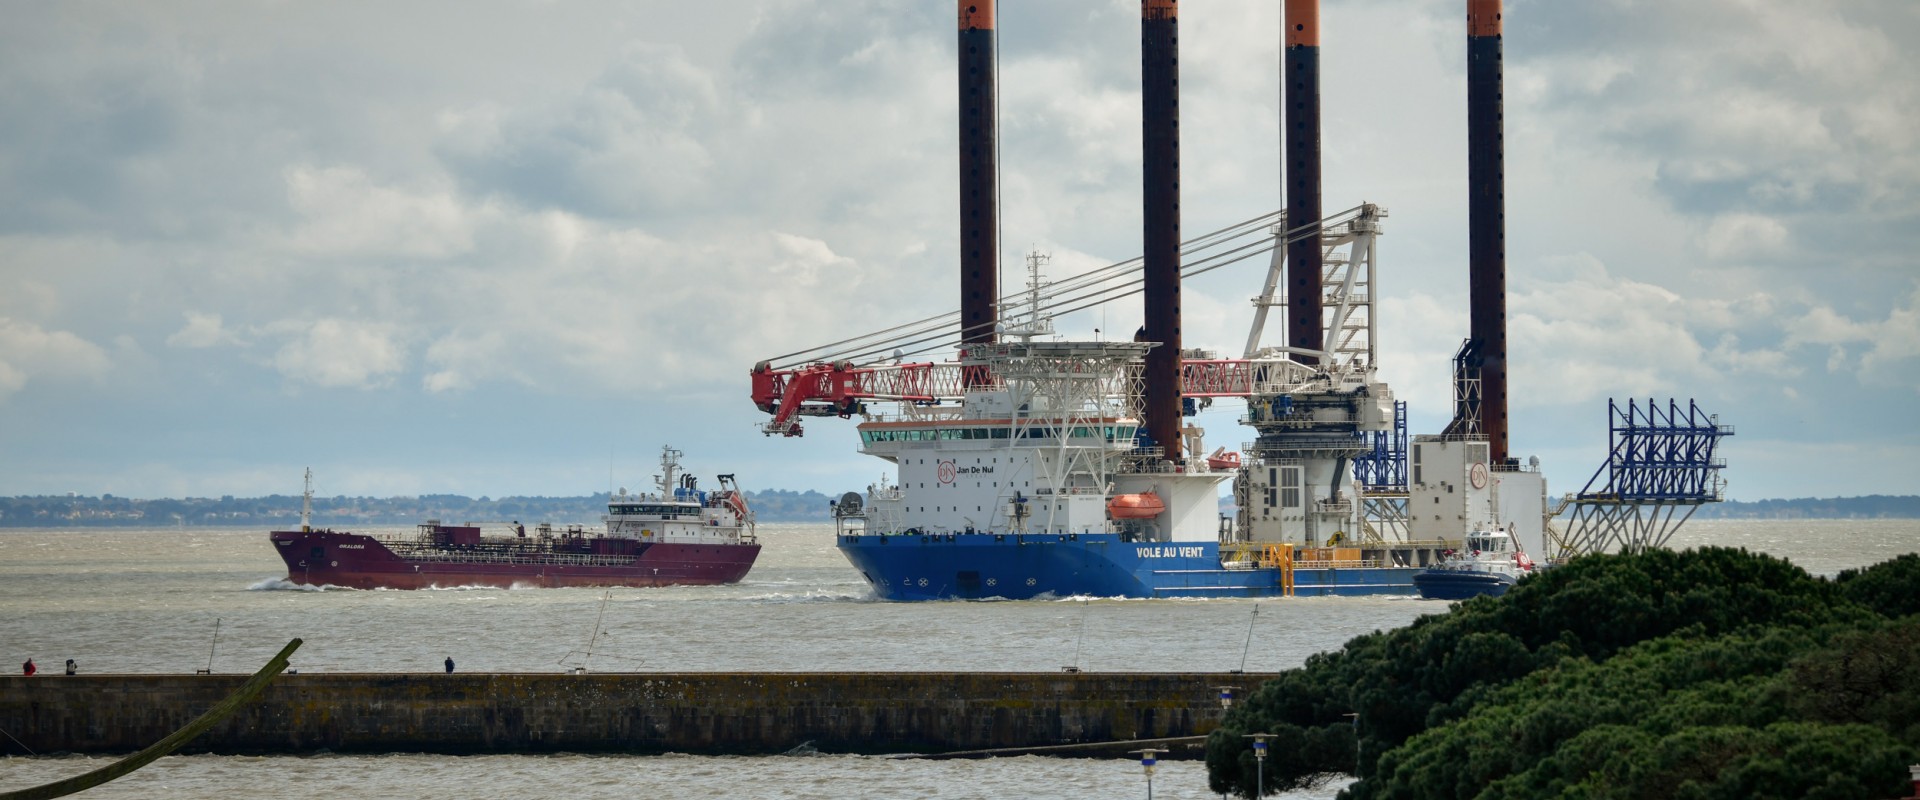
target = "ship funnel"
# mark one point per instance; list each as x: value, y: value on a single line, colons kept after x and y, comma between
x: 979, y: 172
x: 1160, y: 143
x: 1487, y: 220
x: 1301, y: 78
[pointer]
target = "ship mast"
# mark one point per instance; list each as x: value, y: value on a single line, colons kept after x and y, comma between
x: 669, y: 466
x: 306, y: 505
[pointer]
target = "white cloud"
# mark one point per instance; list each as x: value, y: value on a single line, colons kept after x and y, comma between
x: 804, y: 262
x: 1743, y: 235
x: 1898, y: 340
x: 1580, y: 333
x: 1823, y: 325
x: 636, y: 140
x: 344, y: 213
x: 1773, y: 129
x: 341, y: 353
x: 202, y: 330
x: 28, y: 351
x: 1889, y: 346
x: 11, y: 380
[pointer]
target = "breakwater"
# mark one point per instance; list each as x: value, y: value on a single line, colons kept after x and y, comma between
x: 696, y: 713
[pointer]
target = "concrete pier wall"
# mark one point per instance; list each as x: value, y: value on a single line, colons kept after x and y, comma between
x: 745, y: 713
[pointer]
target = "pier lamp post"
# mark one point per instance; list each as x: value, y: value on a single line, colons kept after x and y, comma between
x: 1148, y: 758
x: 1259, y: 761
x: 1355, y: 716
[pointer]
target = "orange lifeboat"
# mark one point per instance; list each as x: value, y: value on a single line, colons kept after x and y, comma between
x: 1221, y: 459
x: 737, y: 504
x: 1145, y: 505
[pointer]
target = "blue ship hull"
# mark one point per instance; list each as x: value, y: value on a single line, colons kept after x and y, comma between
x: 1021, y: 566
x: 1460, y: 584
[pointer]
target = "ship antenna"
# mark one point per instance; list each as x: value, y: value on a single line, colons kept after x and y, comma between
x: 669, y: 464
x: 1249, y: 645
x: 306, y: 505
x: 1036, y: 324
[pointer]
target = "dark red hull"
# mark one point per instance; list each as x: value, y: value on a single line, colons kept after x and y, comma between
x: 331, y: 558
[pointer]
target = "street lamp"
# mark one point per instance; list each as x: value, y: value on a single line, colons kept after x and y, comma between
x: 1147, y: 761
x: 1226, y: 697
x: 1355, y: 716
x: 1259, y: 761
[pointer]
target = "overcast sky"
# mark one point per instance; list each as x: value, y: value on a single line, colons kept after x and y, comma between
x: 513, y: 248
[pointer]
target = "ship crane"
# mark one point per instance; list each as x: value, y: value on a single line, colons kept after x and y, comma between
x: 838, y: 379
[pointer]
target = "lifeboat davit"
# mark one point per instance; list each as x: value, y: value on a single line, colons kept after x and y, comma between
x: 1145, y: 505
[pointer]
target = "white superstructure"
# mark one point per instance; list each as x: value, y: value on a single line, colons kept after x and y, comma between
x: 681, y: 512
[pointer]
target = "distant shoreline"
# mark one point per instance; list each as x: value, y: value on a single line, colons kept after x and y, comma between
x: 776, y: 506
x: 283, y: 511
x: 1875, y: 506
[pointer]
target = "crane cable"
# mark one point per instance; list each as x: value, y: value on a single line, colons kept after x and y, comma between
x: 1017, y: 299
x: 1093, y: 286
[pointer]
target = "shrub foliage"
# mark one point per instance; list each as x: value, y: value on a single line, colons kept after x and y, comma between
x: 1705, y: 673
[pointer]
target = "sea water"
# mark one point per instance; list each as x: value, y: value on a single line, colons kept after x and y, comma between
x: 151, y: 601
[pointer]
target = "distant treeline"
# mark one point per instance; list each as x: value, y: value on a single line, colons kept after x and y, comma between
x: 51, y: 511
x: 1873, y: 506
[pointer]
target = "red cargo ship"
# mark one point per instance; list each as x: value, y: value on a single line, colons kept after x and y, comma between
x: 682, y: 536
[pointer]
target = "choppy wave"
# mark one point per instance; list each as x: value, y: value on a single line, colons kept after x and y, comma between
x: 816, y: 595
x: 470, y: 587
x: 284, y: 585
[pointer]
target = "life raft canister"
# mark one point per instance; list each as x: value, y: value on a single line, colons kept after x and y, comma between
x: 1144, y: 505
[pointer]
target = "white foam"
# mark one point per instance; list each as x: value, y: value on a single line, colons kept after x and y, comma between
x: 467, y: 587
x: 284, y: 585
x: 821, y: 595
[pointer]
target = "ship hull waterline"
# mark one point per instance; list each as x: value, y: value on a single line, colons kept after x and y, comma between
x: 912, y: 567
x: 1457, y: 584
x: 357, y: 561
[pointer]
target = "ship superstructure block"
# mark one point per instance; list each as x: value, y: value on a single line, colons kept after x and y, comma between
x: 1453, y: 487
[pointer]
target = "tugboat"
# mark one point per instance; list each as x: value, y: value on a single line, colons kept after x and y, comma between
x: 1489, y: 566
x: 681, y: 536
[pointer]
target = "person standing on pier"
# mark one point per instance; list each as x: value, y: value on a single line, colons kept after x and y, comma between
x: 27, y: 668
x: 449, y: 665
x: 72, y: 668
